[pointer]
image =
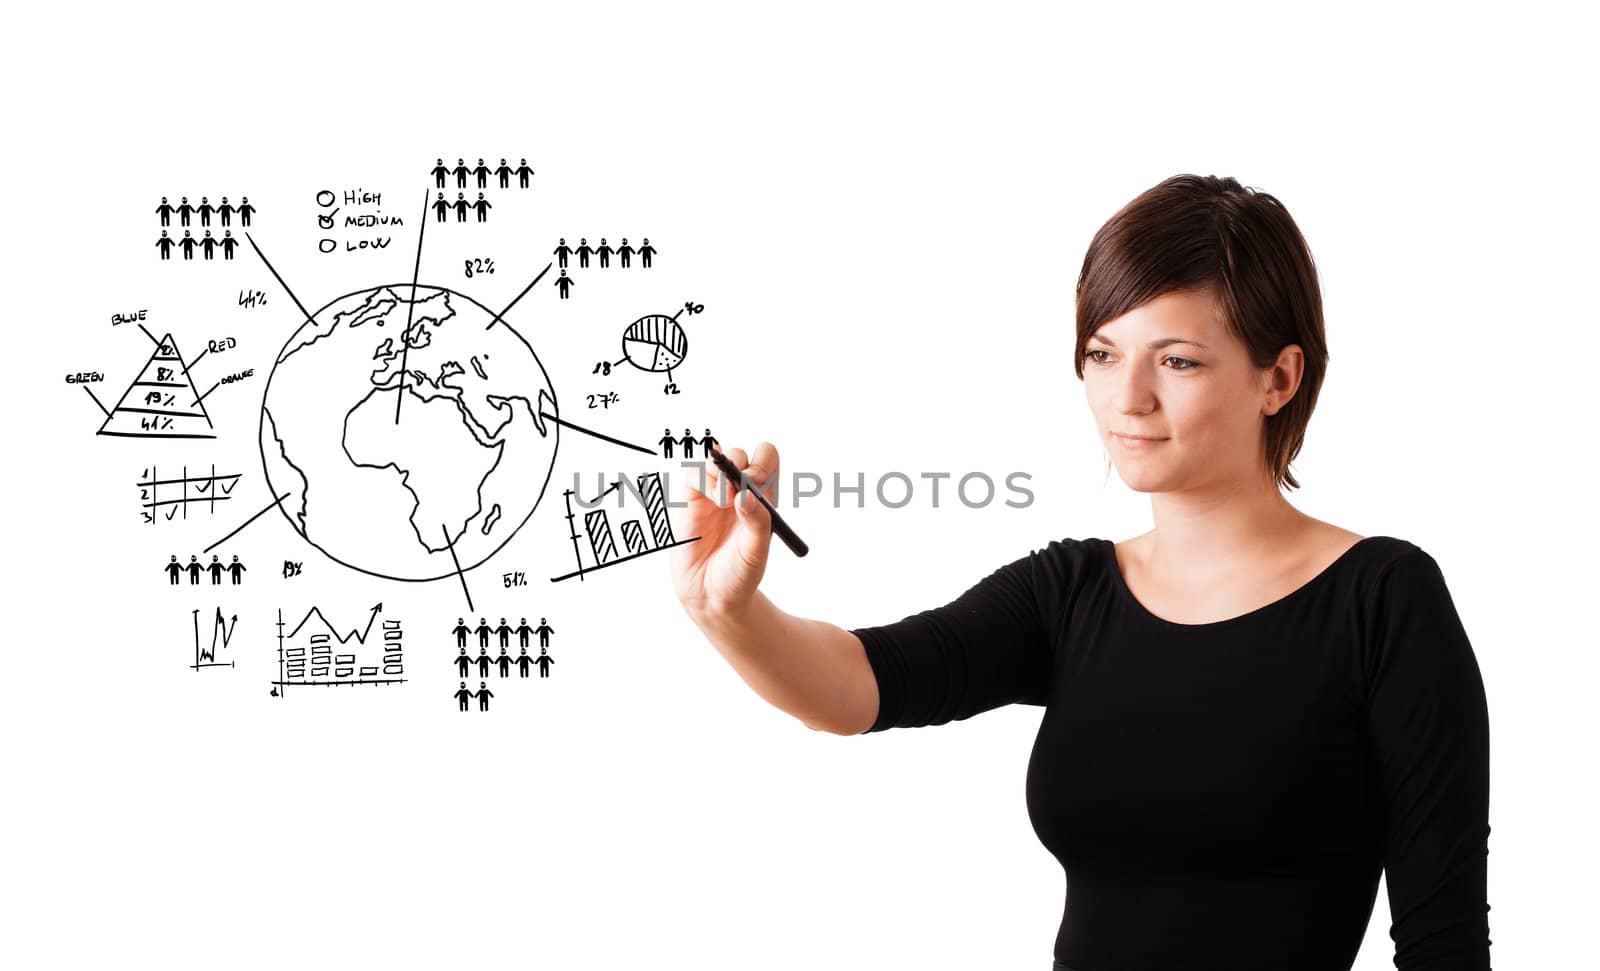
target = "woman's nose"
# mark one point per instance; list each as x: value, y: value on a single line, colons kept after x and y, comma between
x: 1133, y: 391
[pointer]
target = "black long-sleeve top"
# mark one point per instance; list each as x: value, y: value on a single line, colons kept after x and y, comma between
x: 1225, y: 795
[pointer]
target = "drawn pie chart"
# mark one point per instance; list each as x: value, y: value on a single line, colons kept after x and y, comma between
x: 655, y: 343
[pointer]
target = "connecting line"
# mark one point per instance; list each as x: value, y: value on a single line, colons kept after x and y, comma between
x: 208, y: 391
x: 150, y: 335
x: 579, y: 428
x: 85, y: 387
x: 276, y: 276
x: 457, y: 562
x: 411, y: 308
x: 271, y: 505
x: 519, y: 296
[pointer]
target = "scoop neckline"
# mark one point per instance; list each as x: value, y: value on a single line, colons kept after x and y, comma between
x: 1121, y: 584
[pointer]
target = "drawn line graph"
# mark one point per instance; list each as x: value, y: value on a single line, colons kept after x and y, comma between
x: 311, y: 660
x: 221, y: 631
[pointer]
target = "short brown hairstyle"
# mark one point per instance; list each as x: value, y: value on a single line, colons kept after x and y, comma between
x: 1196, y: 232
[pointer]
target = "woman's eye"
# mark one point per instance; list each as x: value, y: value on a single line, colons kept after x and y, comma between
x: 1184, y: 364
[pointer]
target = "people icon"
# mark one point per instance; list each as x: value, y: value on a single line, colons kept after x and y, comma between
x: 504, y: 172
x: 229, y: 244
x: 524, y: 662
x: 544, y: 660
x: 544, y: 630
x: 461, y: 631
x: 503, y: 662
x: 523, y: 632
x: 174, y: 569
x: 583, y: 251
x: 165, y: 212
x: 208, y: 245
x: 504, y: 630
x: 164, y: 244
x: 184, y: 211
x: 205, y: 209
x: 246, y: 210
x: 706, y: 443
x: 441, y: 207
x: 236, y: 569
x: 462, y: 172
x: 464, y: 696
x: 564, y: 284
x: 225, y: 212
x: 463, y: 663
x: 523, y: 173
x: 187, y: 244
x: 195, y: 569
x: 439, y: 172
x: 562, y: 252
x: 624, y: 253
x: 461, y: 205
x: 482, y: 172
x: 483, y: 632
x: 483, y: 206
x: 687, y: 441
x: 667, y: 441
x: 605, y: 254
x: 215, y: 568
x: 484, y: 660
x: 483, y: 695
x: 646, y: 251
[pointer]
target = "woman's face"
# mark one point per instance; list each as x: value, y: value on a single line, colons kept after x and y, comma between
x: 1171, y: 370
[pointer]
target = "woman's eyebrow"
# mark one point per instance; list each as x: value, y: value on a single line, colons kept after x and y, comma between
x: 1153, y: 345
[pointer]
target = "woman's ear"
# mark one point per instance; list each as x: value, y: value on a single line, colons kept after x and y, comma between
x: 1283, y: 378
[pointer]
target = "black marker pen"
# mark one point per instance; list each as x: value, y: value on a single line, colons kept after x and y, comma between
x: 781, y: 528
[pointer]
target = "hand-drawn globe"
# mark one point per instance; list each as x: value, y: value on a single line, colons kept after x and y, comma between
x: 401, y: 450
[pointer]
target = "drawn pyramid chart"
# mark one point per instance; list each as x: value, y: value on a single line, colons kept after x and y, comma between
x: 161, y: 402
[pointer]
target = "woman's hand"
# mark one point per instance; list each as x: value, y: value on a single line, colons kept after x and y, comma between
x: 717, y: 575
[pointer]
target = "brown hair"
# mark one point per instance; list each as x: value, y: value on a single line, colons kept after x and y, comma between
x: 1195, y: 232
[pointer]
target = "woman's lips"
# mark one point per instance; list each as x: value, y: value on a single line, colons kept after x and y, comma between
x: 1128, y: 441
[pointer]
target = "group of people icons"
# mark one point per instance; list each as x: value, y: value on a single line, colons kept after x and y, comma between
x: 483, y: 694
x: 584, y: 251
x: 505, y: 630
x: 208, y: 244
x: 603, y: 252
x: 442, y: 206
x: 502, y: 664
x: 482, y: 171
x: 204, y: 210
x: 688, y: 441
x: 195, y: 568
x: 524, y: 661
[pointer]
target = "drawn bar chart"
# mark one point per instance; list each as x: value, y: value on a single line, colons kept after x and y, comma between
x: 325, y: 658
x: 602, y: 543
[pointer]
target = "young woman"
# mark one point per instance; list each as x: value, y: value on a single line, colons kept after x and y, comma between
x: 1248, y: 712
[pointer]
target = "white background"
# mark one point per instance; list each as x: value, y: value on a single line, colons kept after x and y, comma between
x: 884, y: 210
